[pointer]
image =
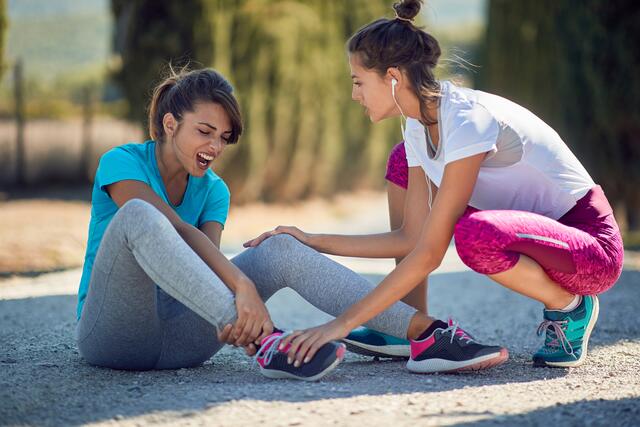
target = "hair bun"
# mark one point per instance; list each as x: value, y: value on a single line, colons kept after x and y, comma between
x: 407, y: 9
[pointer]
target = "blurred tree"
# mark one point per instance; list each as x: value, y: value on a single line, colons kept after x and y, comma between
x: 151, y: 34
x: 576, y: 65
x: 3, y: 31
x: 288, y: 62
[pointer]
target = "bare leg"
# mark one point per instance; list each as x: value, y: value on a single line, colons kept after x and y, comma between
x: 417, y: 298
x: 529, y: 279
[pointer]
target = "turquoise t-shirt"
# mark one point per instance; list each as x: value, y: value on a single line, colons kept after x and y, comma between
x: 205, y: 199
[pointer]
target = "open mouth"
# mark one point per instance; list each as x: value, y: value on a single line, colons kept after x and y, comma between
x: 204, y: 160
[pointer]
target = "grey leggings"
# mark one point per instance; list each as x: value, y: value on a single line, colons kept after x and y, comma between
x: 128, y: 322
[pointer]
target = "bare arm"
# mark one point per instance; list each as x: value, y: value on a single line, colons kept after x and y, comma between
x: 455, y: 191
x: 213, y: 230
x: 450, y: 203
x: 123, y: 191
x: 394, y: 244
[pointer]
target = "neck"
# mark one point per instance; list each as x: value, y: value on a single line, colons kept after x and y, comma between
x: 410, y: 105
x: 168, y: 164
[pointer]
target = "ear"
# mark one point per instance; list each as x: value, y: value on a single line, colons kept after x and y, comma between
x: 170, y: 124
x: 393, y: 73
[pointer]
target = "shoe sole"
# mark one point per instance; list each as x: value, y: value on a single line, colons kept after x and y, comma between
x: 387, y: 351
x: 432, y: 366
x: 585, y: 341
x: 274, y: 374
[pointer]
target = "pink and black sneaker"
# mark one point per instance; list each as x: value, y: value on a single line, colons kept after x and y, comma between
x: 273, y: 362
x: 448, y: 348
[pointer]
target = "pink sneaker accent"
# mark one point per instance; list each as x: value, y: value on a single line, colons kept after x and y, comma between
x: 266, y: 344
x: 340, y: 352
x: 418, y: 347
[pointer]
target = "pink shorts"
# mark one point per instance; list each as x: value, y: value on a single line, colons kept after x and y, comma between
x: 397, y: 168
x: 582, y: 251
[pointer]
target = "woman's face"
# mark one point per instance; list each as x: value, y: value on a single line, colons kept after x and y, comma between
x: 372, y: 91
x: 201, y: 137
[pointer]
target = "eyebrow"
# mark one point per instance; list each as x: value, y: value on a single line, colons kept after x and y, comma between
x: 212, y: 126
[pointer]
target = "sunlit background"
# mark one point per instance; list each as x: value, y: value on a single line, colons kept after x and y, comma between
x: 75, y: 79
x: 77, y: 76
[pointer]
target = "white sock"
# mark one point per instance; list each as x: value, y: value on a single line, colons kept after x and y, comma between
x: 573, y: 304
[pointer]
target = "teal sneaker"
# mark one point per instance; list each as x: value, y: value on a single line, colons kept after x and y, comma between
x: 368, y: 342
x: 568, y: 333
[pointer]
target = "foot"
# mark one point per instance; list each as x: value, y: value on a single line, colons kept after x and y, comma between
x: 567, y: 334
x: 450, y: 349
x: 273, y: 362
x: 373, y: 343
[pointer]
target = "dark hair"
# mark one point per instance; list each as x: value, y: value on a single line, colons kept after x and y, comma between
x: 181, y: 90
x: 397, y: 42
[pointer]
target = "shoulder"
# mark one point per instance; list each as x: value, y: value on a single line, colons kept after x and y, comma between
x: 461, y: 108
x: 456, y: 101
x: 129, y: 161
x: 127, y: 152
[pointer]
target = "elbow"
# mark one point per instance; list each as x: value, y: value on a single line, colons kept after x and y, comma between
x: 433, y: 263
x: 408, y: 242
x: 427, y: 261
x: 182, y: 228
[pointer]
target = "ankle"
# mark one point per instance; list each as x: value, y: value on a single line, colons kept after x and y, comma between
x: 561, y: 303
x: 419, y: 322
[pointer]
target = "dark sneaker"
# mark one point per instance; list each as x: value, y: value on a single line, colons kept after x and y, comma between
x: 368, y: 342
x: 567, y: 334
x: 451, y: 349
x: 273, y: 362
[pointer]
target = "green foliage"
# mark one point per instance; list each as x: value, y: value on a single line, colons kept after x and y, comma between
x: 3, y: 30
x: 150, y: 34
x: 576, y: 66
x: 54, y: 38
x: 63, y: 47
x: 288, y: 63
x: 60, y: 98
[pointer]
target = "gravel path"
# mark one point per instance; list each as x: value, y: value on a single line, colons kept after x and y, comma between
x: 43, y: 381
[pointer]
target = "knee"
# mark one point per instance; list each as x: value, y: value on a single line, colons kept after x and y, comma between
x: 472, y: 227
x: 136, y: 208
x: 141, y: 216
x: 397, y: 154
x: 471, y: 233
x: 281, y: 244
x: 281, y: 249
x: 397, y: 168
x: 480, y: 241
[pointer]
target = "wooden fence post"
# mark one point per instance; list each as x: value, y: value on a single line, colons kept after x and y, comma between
x: 87, y: 140
x: 18, y: 82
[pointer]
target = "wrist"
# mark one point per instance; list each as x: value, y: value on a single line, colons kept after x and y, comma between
x: 311, y: 239
x: 243, y: 284
x: 344, y: 325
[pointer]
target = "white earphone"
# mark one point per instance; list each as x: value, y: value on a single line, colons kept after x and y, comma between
x: 394, y: 82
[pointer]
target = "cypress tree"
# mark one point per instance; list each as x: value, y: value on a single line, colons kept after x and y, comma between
x: 3, y: 31
x: 151, y: 34
x: 287, y: 61
x: 575, y: 66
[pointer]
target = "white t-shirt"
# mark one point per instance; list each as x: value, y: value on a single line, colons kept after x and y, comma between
x: 528, y: 167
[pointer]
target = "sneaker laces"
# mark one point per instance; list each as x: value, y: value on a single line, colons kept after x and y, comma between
x: 557, y: 328
x: 269, y: 347
x: 458, y: 332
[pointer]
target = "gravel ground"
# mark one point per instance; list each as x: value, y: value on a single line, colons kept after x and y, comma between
x: 43, y: 381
